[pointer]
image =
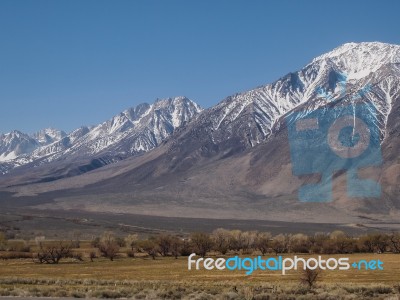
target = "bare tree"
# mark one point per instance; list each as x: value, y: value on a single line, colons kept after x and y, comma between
x: 52, y: 253
x: 337, y: 233
x: 395, y: 242
x: 242, y: 240
x: 248, y: 241
x: 164, y: 243
x: 380, y: 241
x: 76, y: 237
x: 342, y: 243
x: 150, y: 246
x: 221, y: 238
x: 263, y: 242
x: 281, y: 243
x: 366, y: 243
x: 186, y: 247
x: 202, y: 242
x: 176, y: 246
x: 318, y: 242
x: 235, y: 240
x: 310, y: 277
x: 300, y: 243
x: 131, y: 241
x: 108, y: 245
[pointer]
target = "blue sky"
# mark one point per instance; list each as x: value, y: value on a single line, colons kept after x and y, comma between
x: 68, y: 63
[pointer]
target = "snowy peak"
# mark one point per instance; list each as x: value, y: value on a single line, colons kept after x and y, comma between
x: 169, y: 112
x: 14, y: 144
x: 375, y: 48
x: 358, y: 60
x: 49, y: 135
x: 78, y: 133
x: 134, y: 113
x: 178, y: 110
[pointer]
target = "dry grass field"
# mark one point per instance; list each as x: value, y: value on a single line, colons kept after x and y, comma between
x: 169, y: 278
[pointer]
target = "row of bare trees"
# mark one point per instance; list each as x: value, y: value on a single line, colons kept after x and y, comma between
x: 166, y: 245
x: 220, y: 241
x: 248, y: 242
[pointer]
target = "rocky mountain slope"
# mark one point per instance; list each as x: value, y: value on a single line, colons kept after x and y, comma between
x: 233, y: 160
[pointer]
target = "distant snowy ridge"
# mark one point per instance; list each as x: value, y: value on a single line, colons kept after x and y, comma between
x: 135, y: 130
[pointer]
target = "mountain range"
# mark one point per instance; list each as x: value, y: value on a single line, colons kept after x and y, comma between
x: 132, y: 132
x: 233, y: 160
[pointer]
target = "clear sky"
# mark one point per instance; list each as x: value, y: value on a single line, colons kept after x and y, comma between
x: 68, y: 63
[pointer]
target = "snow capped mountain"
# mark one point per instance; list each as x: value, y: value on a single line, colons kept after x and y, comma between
x: 358, y: 60
x: 133, y: 131
x: 138, y: 129
x: 16, y: 143
x: 341, y: 73
x: 48, y: 136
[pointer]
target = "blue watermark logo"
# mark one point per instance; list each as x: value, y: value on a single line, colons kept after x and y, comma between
x: 342, y: 90
x: 335, y: 138
x: 280, y: 263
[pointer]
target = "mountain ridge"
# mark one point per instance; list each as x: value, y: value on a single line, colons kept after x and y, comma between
x: 233, y: 159
x: 159, y: 120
